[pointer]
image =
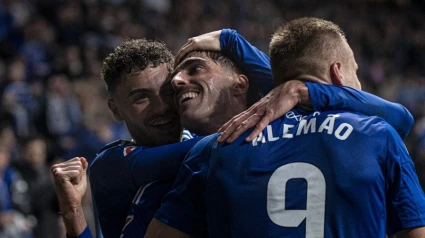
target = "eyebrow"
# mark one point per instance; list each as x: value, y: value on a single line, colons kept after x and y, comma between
x: 139, y: 90
x: 186, y: 63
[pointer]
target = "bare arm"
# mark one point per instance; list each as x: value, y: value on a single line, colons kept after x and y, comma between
x: 70, y: 184
x: 158, y: 229
x: 418, y: 232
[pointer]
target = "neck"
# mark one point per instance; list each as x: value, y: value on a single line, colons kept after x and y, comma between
x: 311, y: 78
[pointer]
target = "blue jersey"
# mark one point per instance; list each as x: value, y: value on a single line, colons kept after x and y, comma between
x: 257, y: 67
x: 324, y: 174
x: 121, y: 168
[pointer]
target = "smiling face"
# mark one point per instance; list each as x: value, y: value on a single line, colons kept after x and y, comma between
x: 204, y: 93
x: 144, y: 100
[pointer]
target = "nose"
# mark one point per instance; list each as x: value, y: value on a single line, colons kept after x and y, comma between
x: 179, y: 80
x: 161, y: 105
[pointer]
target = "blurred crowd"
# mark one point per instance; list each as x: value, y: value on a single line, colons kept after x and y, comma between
x: 53, y: 103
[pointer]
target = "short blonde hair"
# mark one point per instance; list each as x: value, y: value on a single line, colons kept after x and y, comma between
x: 305, y: 45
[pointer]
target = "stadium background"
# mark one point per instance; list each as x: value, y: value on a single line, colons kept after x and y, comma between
x: 51, y: 53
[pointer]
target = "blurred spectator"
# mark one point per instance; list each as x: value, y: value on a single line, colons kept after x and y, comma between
x: 17, y: 98
x: 36, y: 173
x: 59, y: 114
x: 13, y: 224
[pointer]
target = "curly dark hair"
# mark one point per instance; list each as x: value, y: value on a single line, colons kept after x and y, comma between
x: 133, y: 54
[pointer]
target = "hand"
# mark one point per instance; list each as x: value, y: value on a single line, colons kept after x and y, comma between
x: 70, y: 179
x: 274, y: 105
x: 206, y: 42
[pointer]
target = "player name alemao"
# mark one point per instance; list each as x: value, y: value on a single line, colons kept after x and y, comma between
x: 305, y: 126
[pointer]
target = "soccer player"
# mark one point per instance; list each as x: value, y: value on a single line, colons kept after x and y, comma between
x: 121, y: 167
x: 308, y: 174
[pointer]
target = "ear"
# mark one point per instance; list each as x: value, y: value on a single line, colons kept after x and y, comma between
x: 114, y: 109
x: 241, y: 85
x: 336, y: 76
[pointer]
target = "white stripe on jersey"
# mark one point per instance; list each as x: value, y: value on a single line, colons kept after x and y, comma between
x: 140, y: 192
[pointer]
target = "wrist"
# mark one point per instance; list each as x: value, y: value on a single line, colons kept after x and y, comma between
x: 75, y: 221
x: 302, y: 94
x: 71, y: 211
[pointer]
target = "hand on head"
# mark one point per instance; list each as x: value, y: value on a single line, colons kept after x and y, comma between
x: 206, y: 42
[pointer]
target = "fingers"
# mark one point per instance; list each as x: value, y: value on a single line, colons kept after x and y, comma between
x: 240, y: 123
x: 72, y: 170
x: 84, y: 163
x: 265, y: 120
x: 186, y: 48
x: 229, y: 127
x: 245, y: 125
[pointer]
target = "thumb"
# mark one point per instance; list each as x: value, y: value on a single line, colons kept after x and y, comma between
x: 84, y: 163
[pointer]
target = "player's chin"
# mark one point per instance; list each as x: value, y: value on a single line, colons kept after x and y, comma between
x: 167, y: 135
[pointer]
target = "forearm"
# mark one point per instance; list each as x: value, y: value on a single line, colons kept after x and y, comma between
x: 411, y: 233
x: 158, y: 229
x: 75, y: 221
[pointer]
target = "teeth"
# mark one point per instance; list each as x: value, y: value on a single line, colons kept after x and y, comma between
x: 161, y: 122
x: 190, y: 95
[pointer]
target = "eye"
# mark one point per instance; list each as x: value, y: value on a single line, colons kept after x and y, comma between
x: 141, y: 99
x: 194, y: 69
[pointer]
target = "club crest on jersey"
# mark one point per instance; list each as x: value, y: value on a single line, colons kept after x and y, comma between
x: 128, y: 149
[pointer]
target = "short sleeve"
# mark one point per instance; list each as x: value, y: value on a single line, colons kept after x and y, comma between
x: 405, y: 197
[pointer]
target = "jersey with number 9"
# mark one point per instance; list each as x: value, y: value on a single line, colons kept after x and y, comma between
x: 327, y: 174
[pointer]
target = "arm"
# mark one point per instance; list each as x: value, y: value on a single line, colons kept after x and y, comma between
x: 70, y: 184
x: 159, y: 163
x: 183, y: 207
x: 157, y: 229
x: 405, y: 203
x: 254, y: 63
x: 330, y: 97
x: 411, y: 233
x: 322, y: 97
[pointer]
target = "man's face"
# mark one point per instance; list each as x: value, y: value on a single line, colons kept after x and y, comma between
x: 202, y: 89
x: 144, y: 100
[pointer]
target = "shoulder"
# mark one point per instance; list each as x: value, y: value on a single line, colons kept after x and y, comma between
x: 115, y: 150
x: 201, y: 149
x: 335, y: 119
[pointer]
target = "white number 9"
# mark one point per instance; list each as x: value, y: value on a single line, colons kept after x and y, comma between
x: 316, y: 196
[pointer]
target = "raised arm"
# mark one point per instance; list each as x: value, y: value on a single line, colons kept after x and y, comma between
x: 70, y: 184
x: 329, y: 97
x: 319, y: 96
x: 254, y: 63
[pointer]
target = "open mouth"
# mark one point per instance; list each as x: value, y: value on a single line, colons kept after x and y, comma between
x: 164, y: 123
x: 187, y: 97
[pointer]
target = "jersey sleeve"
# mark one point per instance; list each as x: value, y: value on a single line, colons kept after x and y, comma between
x: 331, y: 97
x: 183, y: 206
x: 254, y: 63
x: 158, y: 163
x: 405, y: 197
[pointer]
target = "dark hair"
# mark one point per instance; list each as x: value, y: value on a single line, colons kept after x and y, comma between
x: 220, y: 59
x: 131, y: 55
x: 307, y: 43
